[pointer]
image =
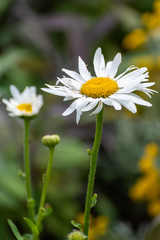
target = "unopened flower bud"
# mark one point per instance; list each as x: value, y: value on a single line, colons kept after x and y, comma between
x: 76, y: 235
x: 50, y: 140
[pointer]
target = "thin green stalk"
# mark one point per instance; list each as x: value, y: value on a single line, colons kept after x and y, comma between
x: 45, y: 186
x: 30, y: 200
x: 94, y: 155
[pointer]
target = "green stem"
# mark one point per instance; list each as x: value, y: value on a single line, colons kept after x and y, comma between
x: 30, y: 200
x: 45, y: 186
x: 94, y: 155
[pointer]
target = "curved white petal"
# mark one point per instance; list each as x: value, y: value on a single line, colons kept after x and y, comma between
x: 15, y: 92
x: 83, y: 70
x: 130, y: 97
x: 98, y: 62
x: 129, y: 105
x: 70, y: 83
x: 56, y: 91
x: 108, y: 67
x: 74, y: 75
x: 78, y: 115
x: 70, y: 109
x: 98, y: 109
x: 115, y: 64
x: 132, y: 67
x: 89, y: 106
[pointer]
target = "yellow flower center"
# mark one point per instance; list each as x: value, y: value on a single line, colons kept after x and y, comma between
x: 25, y: 107
x: 99, y: 87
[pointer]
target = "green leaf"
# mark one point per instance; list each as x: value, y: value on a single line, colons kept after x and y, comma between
x: 21, y: 174
x: 89, y: 151
x: 27, y: 236
x: 47, y: 210
x: 94, y: 200
x: 15, y: 230
x: 11, y: 58
x: 77, y: 225
x: 32, y: 226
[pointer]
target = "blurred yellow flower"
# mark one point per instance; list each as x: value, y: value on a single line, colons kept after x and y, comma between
x: 148, y: 61
x: 150, y: 29
x: 146, y: 163
x: 135, y: 39
x: 146, y: 187
x: 98, y: 225
x: 154, y: 207
x: 152, y: 20
x: 151, y: 149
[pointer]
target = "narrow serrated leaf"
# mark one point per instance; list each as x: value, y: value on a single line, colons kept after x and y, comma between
x: 32, y: 226
x: 77, y: 225
x: 15, y: 230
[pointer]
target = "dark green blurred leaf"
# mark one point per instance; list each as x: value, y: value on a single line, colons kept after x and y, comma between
x: 11, y: 58
x: 47, y: 210
x: 4, y: 5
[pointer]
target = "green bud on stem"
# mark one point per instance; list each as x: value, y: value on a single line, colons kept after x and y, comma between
x: 50, y: 140
x: 76, y: 235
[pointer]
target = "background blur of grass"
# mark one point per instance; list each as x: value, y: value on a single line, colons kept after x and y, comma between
x: 37, y: 39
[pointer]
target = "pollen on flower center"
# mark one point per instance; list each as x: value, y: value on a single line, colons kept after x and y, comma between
x: 25, y: 107
x: 99, y: 87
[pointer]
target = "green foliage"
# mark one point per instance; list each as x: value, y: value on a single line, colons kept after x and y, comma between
x: 32, y: 226
x: 15, y: 230
x: 77, y: 225
x: 94, y: 200
x: 39, y: 38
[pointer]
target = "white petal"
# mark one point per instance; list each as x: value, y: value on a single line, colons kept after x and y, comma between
x: 56, y: 91
x: 102, y: 69
x: 67, y: 98
x: 98, y: 109
x: 129, y: 105
x: 116, y: 105
x: 127, y: 70
x: 80, y: 103
x: 144, y: 85
x: 97, y: 61
x: 70, y: 109
x: 130, y: 85
x: 130, y: 97
x: 112, y: 102
x: 78, y: 115
x: 15, y: 92
x: 132, y: 75
x: 83, y: 70
x: 90, y: 106
x: 115, y: 64
x: 108, y: 67
x: 69, y: 82
x: 74, y: 75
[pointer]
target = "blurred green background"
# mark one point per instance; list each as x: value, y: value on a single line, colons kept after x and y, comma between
x: 37, y: 39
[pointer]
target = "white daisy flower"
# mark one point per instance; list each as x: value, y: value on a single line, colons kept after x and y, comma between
x: 25, y: 104
x: 89, y: 92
